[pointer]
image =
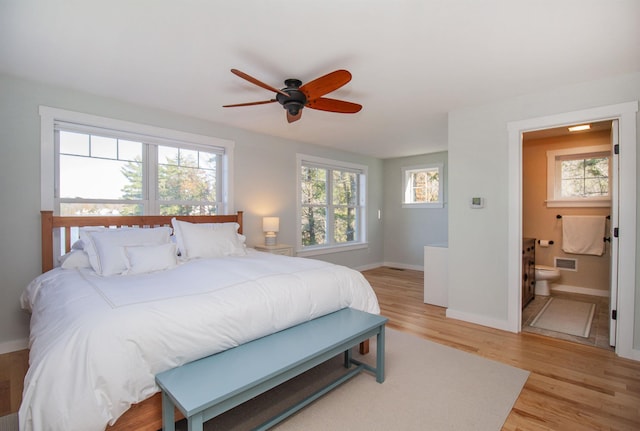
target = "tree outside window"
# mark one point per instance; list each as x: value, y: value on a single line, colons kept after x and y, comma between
x: 585, y: 177
x: 579, y: 177
x: 331, y: 204
x: 422, y: 186
x: 105, y: 175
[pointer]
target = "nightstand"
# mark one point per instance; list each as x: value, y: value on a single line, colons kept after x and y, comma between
x: 283, y: 249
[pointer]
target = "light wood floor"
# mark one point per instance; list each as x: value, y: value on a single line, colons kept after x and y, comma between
x: 571, y: 386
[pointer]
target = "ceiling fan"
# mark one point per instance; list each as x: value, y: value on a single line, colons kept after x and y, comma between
x: 296, y: 96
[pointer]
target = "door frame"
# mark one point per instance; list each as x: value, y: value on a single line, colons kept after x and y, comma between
x: 625, y: 113
x: 613, y: 240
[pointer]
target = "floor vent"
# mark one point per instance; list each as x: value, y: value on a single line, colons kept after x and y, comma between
x: 566, y: 264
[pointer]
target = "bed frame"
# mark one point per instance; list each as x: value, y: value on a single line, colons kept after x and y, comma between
x: 146, y: 415
x: 63, y: 224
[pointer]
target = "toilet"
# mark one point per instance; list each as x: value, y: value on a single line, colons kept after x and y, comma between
x: 545, y: 275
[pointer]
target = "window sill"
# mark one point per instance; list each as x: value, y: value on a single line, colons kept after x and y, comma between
x: 569, y: 203
x: 423, y: 205
x: 303, y: 252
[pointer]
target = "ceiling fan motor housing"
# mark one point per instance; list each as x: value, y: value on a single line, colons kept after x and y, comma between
x: 296, y: 100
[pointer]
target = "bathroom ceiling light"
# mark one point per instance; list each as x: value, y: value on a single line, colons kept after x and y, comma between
x: 580, y: 127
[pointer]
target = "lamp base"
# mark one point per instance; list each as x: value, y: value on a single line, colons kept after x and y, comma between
x: 270, y: 239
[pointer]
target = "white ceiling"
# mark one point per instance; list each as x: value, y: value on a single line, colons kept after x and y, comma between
x: 412, y: 60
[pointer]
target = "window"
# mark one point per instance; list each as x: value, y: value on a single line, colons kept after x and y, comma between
x: 331, y: 204
x: 579, y: 177
x: 422, y: 186
x: 102, y: 166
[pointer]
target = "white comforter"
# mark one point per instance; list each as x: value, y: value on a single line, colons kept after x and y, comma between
x: 97, y: 342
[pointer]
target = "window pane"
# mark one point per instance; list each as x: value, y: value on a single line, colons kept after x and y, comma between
x: 188, y: 210
x: 572, y: 187
x: 74, y: 143
x: 168, y: 155
x: 129, y: 150
x: 89, y: 178
x: 345, y: 220
x: 425, y: 186
x: 585, y: 177
x: 314, y: 225
x: 104, y: 147
x: 313, y: 185
x: 596, y: 187
x: 422, y: 185
x: 87, y: 209
x: 188, y: 158
x: 572, y: 169
x: 180, y: 179
x: 208, y: 161
x: 345, y: 188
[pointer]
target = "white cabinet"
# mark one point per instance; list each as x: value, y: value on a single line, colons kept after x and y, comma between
x: 436, y: 274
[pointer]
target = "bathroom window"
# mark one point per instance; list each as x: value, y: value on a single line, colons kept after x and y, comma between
x: 422, y: 186
x: 579, y: 177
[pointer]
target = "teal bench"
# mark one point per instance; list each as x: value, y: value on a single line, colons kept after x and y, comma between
x: 210, y: 386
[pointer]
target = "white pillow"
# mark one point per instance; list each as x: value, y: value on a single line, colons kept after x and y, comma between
x: 143, y: 259
x: 75, y: 259
x: 208, y: 239
x: 105, y: 247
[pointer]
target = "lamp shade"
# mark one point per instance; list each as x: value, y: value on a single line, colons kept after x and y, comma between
x: 270, y: 224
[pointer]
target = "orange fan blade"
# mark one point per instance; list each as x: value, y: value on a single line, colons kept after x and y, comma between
x: 333, y: 105
x: 253, y: 80
x: 249, y: 103
x: 325, y: 84
x: 291, y: 118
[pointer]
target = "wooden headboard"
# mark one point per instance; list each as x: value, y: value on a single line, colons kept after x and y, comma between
x: 51, y: 223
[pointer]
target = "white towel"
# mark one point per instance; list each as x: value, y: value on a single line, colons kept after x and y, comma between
x: 583, y: 234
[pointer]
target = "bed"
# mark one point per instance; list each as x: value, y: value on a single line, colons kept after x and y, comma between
x: 122, y: 307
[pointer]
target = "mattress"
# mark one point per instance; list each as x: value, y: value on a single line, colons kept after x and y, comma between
x: 97, y: 342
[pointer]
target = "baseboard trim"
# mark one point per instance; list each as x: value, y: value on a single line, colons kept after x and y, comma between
x: 368, y: 267
x: 14, y: 346
x: 479, y: 320
x: 403, y: 266
x: 580, y: 290
x: 389, y: 265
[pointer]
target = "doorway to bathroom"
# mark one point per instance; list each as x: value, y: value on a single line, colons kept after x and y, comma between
x: 568, y: 176
x: 623, y: 268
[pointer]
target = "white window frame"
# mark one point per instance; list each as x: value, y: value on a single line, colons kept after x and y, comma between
x: 554, y: 158
x: 49, y: 116
x: 331, y: 247
x: 406, y: 185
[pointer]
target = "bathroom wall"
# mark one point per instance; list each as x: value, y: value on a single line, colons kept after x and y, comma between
x: 540, y: 222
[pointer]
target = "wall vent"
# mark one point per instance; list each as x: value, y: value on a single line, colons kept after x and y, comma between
x: 566, y: 263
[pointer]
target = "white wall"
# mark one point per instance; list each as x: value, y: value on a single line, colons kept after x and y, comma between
x: 265, y: 184
x: 478, y: 166
x: 408, y: 230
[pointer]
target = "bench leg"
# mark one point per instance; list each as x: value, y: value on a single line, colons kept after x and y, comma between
x: 347, y: 358
x: 364, y: 347
x: 194, y: 423
x: 380, y: 356
x: 168, y: 415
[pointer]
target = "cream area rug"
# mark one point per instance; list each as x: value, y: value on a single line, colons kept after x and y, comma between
x: 567, y: 316
x: 428, y: 386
